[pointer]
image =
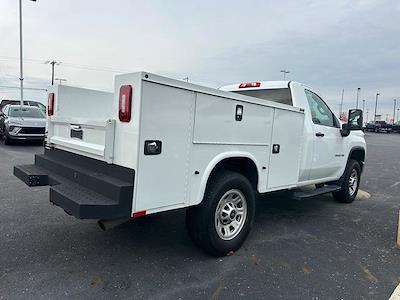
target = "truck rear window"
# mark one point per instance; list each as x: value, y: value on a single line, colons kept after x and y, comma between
x: 276, y: 95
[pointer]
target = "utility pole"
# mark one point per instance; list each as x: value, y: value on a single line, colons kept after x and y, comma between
x: 376, y: 105
x: 284, y: 73
x: 341, y: 104
x: 21, y: 73
x: 394, y: 110
x: 358, y: 94
x: 52, y: 63
x: 60, y: 80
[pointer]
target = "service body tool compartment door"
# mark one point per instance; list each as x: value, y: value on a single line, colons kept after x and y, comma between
x: 166, y: 125
x: 286, y: 147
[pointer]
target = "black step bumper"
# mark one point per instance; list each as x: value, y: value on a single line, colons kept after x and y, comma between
x: 85, y: 188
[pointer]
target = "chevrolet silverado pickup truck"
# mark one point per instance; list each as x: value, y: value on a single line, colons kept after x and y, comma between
x: 159, y: 144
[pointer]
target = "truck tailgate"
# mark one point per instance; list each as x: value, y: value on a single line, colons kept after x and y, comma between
x: 82, y: 122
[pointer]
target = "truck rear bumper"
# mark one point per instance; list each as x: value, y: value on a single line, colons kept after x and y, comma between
x: 85, y: 188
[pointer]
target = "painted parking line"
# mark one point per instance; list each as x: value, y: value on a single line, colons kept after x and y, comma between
x: 396, y: 294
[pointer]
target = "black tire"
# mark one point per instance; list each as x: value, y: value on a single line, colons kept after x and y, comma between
x: 201, y: 219
x: 6, y: 140
x: 344, y: 195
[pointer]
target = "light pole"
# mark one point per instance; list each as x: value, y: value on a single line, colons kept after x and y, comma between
x: 376, y: 105
x: 398, y: 111
x: 363, y: 105
x: 358, y: 94
x: 394, y: 110
x: 367, y: 116
x: 21, y: 72
x: 284, y: 73
x: 341, y: 104
x: 52, y: 63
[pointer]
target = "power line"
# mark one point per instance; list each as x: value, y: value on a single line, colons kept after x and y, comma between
x: 17, y: 87
x: 71, y: 65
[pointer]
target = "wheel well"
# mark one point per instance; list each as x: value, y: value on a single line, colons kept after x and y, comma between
x: 242, y: 165
x: 358, y: 155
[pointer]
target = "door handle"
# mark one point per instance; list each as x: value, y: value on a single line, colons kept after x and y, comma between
x: 319, y: 134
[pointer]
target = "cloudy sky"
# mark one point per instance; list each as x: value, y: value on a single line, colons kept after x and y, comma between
x: 330, y: 45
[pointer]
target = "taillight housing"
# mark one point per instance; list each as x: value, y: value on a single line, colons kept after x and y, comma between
x: 249, y: 84
x: 50, y: 104
x: 125, y: 103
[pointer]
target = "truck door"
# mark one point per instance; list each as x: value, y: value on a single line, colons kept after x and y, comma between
x: 328, y: 152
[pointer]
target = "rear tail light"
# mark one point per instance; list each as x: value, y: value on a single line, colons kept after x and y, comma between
x: 50, y: 104
x: 125, y: 103
x: 249, y: 84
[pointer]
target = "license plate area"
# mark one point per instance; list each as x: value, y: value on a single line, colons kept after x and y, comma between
x: 76, y: 132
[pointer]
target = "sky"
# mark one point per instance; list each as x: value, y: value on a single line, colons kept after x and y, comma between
x: 328, y: 45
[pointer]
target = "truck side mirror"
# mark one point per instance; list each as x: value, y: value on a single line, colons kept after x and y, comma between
x: 354, y: 122
x: 355, y: 119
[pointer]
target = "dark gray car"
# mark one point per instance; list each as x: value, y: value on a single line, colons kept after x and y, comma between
x: 28, y: 123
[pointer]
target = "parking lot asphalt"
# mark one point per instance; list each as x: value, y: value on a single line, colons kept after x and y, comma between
x: 310, y: 249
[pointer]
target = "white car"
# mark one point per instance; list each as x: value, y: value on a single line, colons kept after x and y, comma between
x: 158, y: 144
x: 22, y: 123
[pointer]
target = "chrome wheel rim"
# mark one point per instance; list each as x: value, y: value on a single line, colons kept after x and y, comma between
x: 230, y: 214
x: 353, y: 182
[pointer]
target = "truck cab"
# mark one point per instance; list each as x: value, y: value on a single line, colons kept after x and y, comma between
x: 326, y: 148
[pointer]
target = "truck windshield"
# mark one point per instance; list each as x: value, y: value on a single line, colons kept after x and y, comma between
x: 27, y: 112
x: 276, y: 95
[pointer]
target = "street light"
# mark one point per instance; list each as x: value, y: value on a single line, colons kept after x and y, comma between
x: 376, y: 105
x: 60, y: 80
x: 341, y: 104
x: 21, y: 73
x: 284, y: 73
x: 394, y: 110
x: 358, y: 94
x: 52, y: 63
x: 363, y: 105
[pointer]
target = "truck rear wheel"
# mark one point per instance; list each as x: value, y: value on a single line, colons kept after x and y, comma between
x: 350, y: 184
x: 221, y: 223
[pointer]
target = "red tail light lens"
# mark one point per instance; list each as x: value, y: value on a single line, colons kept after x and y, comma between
x: 249, y: 84
x: 125, y: 103
x: 50, y: 104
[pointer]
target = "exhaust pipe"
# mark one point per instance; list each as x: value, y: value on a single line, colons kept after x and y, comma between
x: 108, y: 224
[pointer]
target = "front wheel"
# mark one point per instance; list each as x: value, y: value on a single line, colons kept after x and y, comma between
x: 350, y: 184
x: 221, y: 223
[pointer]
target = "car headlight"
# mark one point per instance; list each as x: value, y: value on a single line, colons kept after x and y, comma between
x: 14, y: 128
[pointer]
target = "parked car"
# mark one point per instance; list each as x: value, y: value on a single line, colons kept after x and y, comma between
x: 378, y: 126
x: 396, y: 127
x: 27, y: 123
x: 160, y: 144
x: 5, y: 102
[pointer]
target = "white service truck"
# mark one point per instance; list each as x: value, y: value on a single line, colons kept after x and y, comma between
x: 158, y: 144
